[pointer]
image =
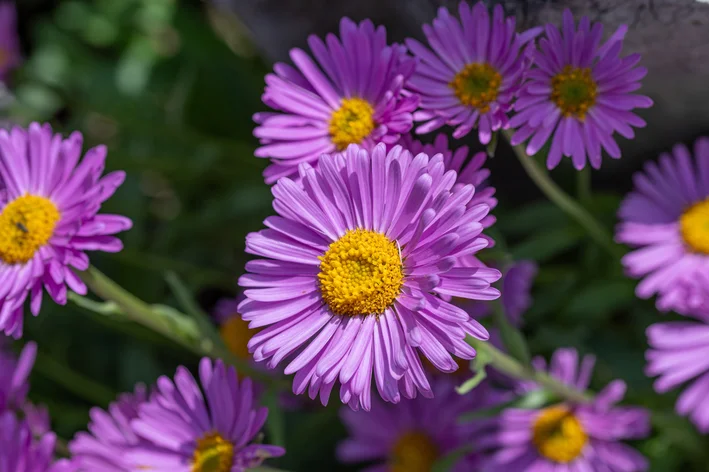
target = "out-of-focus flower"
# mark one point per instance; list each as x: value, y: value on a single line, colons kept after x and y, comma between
x: 666, y: 218
x: 354, y: 94
x: 20, y: 452
x: 49, y: 218
x: 472, y: 72
x: 186, y: 429
x: 581, y: 93
x: 354, y: 269
x: 571, y: 437
x: 14, y: 372
x: 233, y: 329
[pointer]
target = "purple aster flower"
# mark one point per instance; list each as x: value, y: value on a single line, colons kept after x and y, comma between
x: 355, y: 267
x: 412, y: 436
x: 572, y: 437
x: 353, y: 94
x: 49, y: 203
x: 581, y: 91
x: 666, y: 218
x: 20, y: 452
x: 14, y: 372
x: 678, y: 354
x: 186, y: 430
x: 234, y: 330
x: 37, y: 418
x: 9, y: 41
x: 473, y: 72
x: 105, y: 447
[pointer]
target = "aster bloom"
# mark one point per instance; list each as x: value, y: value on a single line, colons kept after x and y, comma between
x: 581, y: 92
x: 20, y: 452
x: 14, y: 372
x: 49, y: 218
x: 353, y: 94
x: 472, y: 72
x: 186, y: 429
x: 572, y: 437
x: 666, y: 218
x: 354, y: 269
x: 9, y: 41
x: 677, y: 355
x: 104, y: 448
x: 412, y: 436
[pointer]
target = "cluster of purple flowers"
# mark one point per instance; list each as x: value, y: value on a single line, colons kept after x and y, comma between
x: 367, y: 278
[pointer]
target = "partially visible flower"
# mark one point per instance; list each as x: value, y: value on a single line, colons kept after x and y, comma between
x: 105, y: 447
x: 49, y: 218
x: 581, y: 92
x: 14, y: 372
x: 678, y: 354
x: 572, y: 437
x: 233, y: 329
x: 201, y: 430
x: 353, y: 94
x: 37, y: 418
x: 413, y: 435
x: 354, y: 270
x: 9, y: 41
x: 666, y: 218
x: 20, y: 452
x: 472, y: 72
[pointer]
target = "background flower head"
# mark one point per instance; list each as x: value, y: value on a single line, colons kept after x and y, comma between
x: 186, y: 428
x: 352, y: 94
x: 9, y: 41
x: 21, y: 452
x: 354, y: 269
x: 666, y: 219
x: 14, y: 374
x: 49, y: 218
x: 472, y: 71
x: 413, y: 435
x: 105, y: 447
x: 571, y: 437
x: 581, y: 92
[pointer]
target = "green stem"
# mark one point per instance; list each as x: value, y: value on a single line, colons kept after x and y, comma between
x: 72, y: 381
x: 140, y: 312
x: 510, y: 366
x: 583, y: 185
x: 565, y: 202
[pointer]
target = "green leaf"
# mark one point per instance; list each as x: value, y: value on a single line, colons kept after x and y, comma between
x: 546, y: 245
x: 601, y: 299
x: 531, y: 218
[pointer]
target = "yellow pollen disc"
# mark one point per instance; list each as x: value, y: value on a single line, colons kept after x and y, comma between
x: 352, y: 122
x: 26, y: 224
x: 694, y: 227
x: 361, y: 273
x: 213, y: 454
x: 558, y: 434
x: 236, y: 334
x: 477, y: 85
x: 413, y: 452
x: 574, y: 91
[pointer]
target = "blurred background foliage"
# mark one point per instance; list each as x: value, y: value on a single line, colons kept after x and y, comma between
x: 170, y: 87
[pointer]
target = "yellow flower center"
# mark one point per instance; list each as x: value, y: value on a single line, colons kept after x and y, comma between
x: 213, y: 454
x: 477, y: 85
x: 236, y: 334
x: 694, y: 227
x: 361, y: 273
x: 352, y: 122
x: 26, y: 224
x: 413, y: 452
x: 558, y: 434
x: 574, y: 91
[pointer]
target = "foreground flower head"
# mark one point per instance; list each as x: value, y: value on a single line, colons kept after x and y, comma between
x: 104, y: 448
x: 666, y: 218
x: 14, y: 372
x: 9, y: 41
x: 572, y: 437
x: 677, y: 355
x: 21, y: 452
x: 581, y: 92
x: 210, y: 429
x: 354, y: 270
x: 412, y: 436
x: 49, y: 217
x: 471, y: 75
x: 354, y: 94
